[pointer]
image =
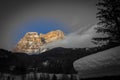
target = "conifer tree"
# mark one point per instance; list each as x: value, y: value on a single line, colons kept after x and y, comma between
x: 109, y: 21
x: 54, y: 77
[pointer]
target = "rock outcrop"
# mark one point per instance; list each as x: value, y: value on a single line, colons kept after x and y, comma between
x: 34, y: 43
x: 52, y: 36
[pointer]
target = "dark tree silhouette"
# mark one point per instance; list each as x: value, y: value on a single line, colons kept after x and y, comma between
x: 47, y: 77
x: 65, y: 77
x: 109, y: 17
x: 71, y: 77
x: 54, y: 77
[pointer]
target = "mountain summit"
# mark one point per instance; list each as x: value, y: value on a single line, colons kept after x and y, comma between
x: 34, y: 43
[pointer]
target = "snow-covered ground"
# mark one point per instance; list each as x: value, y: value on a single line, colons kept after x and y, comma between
x: 105, y: 63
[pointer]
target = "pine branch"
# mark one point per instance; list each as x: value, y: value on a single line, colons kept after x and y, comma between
x: 102, y: 38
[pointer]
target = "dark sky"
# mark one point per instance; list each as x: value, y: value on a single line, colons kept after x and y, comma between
x: 18, y: 17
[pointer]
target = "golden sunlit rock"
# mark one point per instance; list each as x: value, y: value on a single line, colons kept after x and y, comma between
x: 52, y: 36
x: 32, y: 42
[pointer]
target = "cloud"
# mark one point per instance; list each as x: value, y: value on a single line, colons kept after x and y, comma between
x: 78, y: 39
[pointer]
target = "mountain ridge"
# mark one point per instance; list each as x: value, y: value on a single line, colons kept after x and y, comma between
x: 32, y: 42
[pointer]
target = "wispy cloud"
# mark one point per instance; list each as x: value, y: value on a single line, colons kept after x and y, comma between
x: 78, y: 39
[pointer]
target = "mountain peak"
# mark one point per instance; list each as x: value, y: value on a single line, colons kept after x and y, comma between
x: 34, y: 43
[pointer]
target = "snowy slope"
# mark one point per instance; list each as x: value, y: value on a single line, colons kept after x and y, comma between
x: 105, y: 63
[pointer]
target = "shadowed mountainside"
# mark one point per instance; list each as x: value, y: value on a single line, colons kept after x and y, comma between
x: 57, y: 60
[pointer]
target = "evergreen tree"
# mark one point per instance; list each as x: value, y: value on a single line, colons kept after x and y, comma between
x: 65, y: 77
x: 109, y: 17
x: 8, y: 78
x: 54, y: 77
x: 74, y: 77
x: 47, y: 77
x: 71, y: 77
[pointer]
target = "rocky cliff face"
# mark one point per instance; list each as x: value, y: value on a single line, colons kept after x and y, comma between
x: 51, y: 36
x: 34, y: 43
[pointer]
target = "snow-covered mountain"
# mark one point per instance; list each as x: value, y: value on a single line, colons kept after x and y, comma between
x: 34, y: 43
